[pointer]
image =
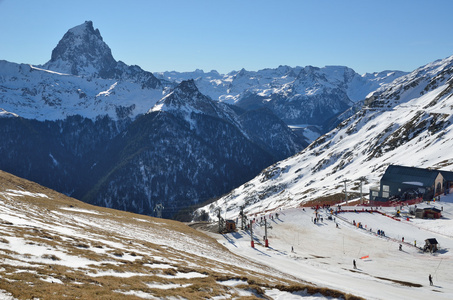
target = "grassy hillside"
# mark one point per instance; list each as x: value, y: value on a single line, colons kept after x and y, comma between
x: 53, y: 247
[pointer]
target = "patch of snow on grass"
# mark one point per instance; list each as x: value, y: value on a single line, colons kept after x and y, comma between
x: 80, y: 210
x: 25, y: 193
x: 232, y: 282
x: 167, y: 286
x: 139, y: 294
x: 180, y: 275
x: 282, y: 295
x: 159, y: 266
x: 116, y: 274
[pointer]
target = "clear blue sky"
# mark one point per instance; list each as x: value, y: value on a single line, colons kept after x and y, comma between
x: 184, y: 35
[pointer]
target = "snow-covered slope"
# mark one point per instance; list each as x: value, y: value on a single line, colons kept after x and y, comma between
x: 407, y: 122
x: 324, y: 252
x: 55, y: 247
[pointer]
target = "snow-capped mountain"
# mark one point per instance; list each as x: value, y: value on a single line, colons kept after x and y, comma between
x: 406, y: 122
x: 81, y: 78
x: 228, y: 87
x: 83, y: 52
x: 260, y: 125
x: 185, y: 100
x: 36, y: 93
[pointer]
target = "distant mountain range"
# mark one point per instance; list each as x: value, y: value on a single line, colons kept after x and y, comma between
x: 82, y: 78
x: 116, y: 135
x: 309, y: 96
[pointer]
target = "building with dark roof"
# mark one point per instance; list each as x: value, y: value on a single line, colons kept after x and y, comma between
x: 431, y: 245
x: 400, y: 183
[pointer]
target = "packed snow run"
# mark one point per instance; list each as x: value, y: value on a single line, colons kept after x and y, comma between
x: 324, y: 252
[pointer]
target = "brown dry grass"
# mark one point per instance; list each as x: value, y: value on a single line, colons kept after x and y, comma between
x: 331, y: 200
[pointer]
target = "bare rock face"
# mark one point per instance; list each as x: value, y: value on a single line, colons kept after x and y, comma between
x: 83, y: 52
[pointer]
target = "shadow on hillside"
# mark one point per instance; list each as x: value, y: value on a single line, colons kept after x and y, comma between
x: 278, y: 251
x: 442, y: 251
x: 229, y: 240
x: 261, y: 252
x: 237, y: 235
x: 277, y: 219
x: 320, y: 224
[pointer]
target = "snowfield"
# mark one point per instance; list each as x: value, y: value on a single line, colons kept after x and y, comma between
x: 323, y: 254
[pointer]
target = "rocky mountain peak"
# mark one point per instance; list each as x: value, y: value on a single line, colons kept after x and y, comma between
x: 242, y: 72
x: 82, y: 51
x: 85, y: 28
x: 187, y: 86
x: 310, y: 75
x: 186, y: 92
x: 186, y: 98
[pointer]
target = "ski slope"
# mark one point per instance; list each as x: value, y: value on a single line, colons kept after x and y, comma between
x: 323, y: 254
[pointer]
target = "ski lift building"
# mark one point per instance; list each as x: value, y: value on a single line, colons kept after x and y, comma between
x: 404, y: 183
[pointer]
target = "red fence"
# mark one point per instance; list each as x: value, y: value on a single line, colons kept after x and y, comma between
x: 393, y: 203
